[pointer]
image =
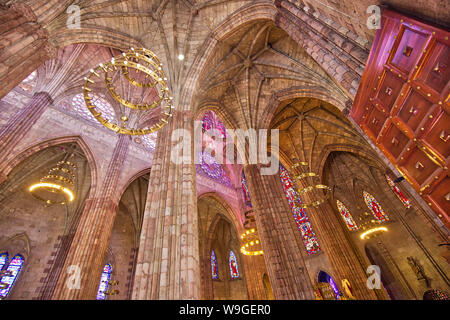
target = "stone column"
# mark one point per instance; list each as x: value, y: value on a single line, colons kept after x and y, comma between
x: 88, y: 248
x: 284, y: 262
x: 168, y: 258
x: 19, y: 125
x: 255, y: 268
x: 336, y: 246
x: 24, y: 45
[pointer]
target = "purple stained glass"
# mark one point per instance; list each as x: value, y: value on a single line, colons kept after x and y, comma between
x: 104, y: 282
x: 234, y: 271
x: 14, y: 268
x: 3, y: 259
x: 210, y: 121
x: 211, y: 169
x: 245, y: 191
x: 214, y: 267
x: 309, y: 238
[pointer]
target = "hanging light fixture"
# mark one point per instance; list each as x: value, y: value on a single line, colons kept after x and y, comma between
x: 320, y: 192
x: 252, y: 244
x: 57, y: 186
x: 134, y: 80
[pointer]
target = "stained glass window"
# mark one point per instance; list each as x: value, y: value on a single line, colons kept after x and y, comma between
x: 104, y: 280
x: 214, y: 267
x: 345, y: 213
x: 375, y: 207
x: 309, y: 238
x: 326, y: 278
x: 210, y: 121
x: 398, y: 193
x: 210, y: 168
x: 14, y: 268
x: 435, y: 294
x: 246, y: 192
x: 3, y: 259
x: 234, y: 271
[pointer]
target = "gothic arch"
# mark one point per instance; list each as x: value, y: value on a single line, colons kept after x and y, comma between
x: 310, y: 91
x: 232, y: 217
x: 133, y: 178
x: 17, y: 244
x: 19, y: 156
x: 247, y: 14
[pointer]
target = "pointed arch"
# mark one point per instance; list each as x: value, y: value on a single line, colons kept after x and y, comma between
x: 31, y: 150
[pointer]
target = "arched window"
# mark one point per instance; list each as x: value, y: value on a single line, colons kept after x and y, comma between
x: 3, y: 259
x: 13, y: 269
x: 375, y: 207
x: 210, y: 168
x: 213, y: 132
x: 309, y: 238
x: 324, y: 277
x: 234, y: 271
x: 345, y: 213
x: 398, y: 193
x: 214, y: 267
x: 245, y: 191
x: 104, y: 282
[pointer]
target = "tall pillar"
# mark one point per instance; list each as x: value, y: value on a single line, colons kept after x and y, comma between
x: 284, y: 262
x: 168, y: 258
x: 18, y: 126
x: 88, y: 248
x: 24, y: 45
x: 337, y: 247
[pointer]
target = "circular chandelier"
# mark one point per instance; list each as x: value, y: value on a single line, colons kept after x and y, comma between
x: 301, y: 172
x: 57, y: 186
x: 252, y: 243
x: 136, y: 83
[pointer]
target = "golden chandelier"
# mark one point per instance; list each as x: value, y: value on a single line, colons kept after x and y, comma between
x: 57, y: 186
x: 319, y: 192
x: 252, y: 244
x: 136, y: 81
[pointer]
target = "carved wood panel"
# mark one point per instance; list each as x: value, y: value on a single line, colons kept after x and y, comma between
x: 403, y: 105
